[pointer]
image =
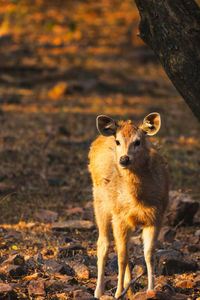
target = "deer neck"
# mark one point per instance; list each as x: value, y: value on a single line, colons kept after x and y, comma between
x: 134, y: 173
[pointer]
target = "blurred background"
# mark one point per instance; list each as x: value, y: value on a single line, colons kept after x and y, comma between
x: 61, y: 64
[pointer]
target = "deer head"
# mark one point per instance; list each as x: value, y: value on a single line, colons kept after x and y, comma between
x: 131, y: 146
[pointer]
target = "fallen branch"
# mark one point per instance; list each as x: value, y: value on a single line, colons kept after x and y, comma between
x: 132, y: 282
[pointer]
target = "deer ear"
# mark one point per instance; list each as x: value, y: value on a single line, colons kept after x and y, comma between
x: 106, y: 126
x: 151, y: 123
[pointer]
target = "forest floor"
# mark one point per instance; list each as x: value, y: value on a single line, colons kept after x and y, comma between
x: 61, y: 66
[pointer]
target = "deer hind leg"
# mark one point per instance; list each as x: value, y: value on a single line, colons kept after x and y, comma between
x: 121, y: 234
x: 149, y: 238
x: 127, y: 279
x: 104, y: 225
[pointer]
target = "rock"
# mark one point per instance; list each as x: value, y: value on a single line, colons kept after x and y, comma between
x: 13, y: 236
x: 157, y: 295
x: 193, y: 248
x: 73, y: 224
x: 5, y: 288
x: 167, y: 234
x: 6, y: 292
x: 47, y: 216
x: 81, y: 271
x: 170, y: 266
x: 14, y: 260
x: 14, y: 271
x: 182, y: 209
x: 60, y: 296
x: 70, y: 250
x: 168, y: 254
x: 185, y: 284
x: 139, y: 296
x: 81, y: 295
x: 30, y: 263
x: 55, y: 285
x: 36, y: 288
x: 172, y: 261
x: 51, y: 266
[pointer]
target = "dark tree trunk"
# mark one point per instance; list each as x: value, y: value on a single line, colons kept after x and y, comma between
x: 172, y: 29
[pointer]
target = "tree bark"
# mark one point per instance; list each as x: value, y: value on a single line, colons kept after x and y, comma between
x: 172, y: 29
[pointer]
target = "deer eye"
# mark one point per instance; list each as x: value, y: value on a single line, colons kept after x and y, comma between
x: 137, y: 143
x: 117, y: 142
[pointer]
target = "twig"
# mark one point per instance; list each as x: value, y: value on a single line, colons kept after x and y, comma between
x: 6, y: 196
x: 48, y: 140
x: 179, y: 224
x: 133, y: 281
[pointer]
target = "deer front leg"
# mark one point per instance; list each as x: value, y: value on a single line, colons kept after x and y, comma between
x: 103, y: 223
x: 149, y: 238
x: 121, y: 234
x: 102, y: 250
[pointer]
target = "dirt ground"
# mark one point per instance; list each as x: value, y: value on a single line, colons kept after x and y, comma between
x: 62, y: 64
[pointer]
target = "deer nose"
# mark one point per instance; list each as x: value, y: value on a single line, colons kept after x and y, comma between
x: 124, y: 160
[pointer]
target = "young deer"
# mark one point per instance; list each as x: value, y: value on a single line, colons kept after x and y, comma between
x: 130, y: 187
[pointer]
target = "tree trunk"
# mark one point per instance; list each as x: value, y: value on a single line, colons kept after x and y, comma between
x: 172, y: 29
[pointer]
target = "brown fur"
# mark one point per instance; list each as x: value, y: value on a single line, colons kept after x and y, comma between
x: 126, y: 197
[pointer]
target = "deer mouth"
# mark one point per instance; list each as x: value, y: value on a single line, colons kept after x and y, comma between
x: 125, y: 165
